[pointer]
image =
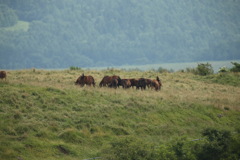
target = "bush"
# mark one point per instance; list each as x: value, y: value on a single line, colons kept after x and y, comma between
x: 223, y: 69
x: 217, y: 145
x: 132, y: 148
x: 190, y: 70
x: 163, y: 70
x: 204, y: 69
x: 127, y: 149
x: 183, y: 149
x: 236, y: 67
x: 75, y: 68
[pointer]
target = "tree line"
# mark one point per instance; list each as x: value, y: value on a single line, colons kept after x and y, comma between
x: 122, y: 32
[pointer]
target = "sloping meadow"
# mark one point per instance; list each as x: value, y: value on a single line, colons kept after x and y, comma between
x: 44, y: 115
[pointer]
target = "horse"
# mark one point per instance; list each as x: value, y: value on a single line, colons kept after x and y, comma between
x: 134, y: 82
x: 148, y: 82
x: 110, y: 81
x: 114, y: 84
x: 142, y: 83
x: 126, y: 83
x: 88, y: 80
x: 156, y: 84
x: 105, y: 81
x: 3, y: 75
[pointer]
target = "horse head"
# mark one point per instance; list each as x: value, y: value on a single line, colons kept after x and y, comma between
x: 82, y: 76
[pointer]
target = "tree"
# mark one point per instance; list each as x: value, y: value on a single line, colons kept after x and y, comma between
x: 204, y: 69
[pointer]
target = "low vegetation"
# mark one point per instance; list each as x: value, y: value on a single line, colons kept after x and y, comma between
x: 44, y: 115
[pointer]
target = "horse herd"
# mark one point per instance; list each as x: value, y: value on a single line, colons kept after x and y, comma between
x: 116, y: 82
x: 113, y: 82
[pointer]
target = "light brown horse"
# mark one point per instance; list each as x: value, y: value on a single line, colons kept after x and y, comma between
x: 126, y: 83
x: 88, y: 80
x: 156, y: 84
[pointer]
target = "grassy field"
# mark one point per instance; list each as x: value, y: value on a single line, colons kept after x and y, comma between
x: 44, y: 115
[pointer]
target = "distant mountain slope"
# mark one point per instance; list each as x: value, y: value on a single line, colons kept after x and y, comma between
x: 104, y: 33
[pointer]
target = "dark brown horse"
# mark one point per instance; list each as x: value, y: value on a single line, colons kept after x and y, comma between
x: 156, y: 84
x: 142, y: 83
x: 114, y: 83
x: 148, y: 82
x: 134, y: 82
x: 105, y: 81
x: 110, y: 81
x: 3, y: 75
x: 88, y: 80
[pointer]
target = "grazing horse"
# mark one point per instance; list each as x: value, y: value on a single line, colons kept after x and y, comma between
x: 148, y: 82
x: 114, y: 84
x: 134, y: 82
x: 142, y: 83
x: 157, y: 84
x: 110, y: 81
x: 88, y: 80
x: 3, y: 75
x: 126, y: 83
x: 105, y: 81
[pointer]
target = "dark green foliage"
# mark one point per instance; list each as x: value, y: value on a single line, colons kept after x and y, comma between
x: 74, y: 68
x: 130, y: 149
x: 7, y: 16
x: 183, y: 149
x: 217, y: 145
x: 236, y: 67
x: 204, y: 69
x: 163, y: 70
x: 223, y: 70
x: 105, y: 33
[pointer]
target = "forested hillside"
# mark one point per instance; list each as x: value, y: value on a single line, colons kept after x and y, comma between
x: 86, y: 33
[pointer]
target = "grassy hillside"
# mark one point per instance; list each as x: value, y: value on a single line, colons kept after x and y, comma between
x: 43, y: 115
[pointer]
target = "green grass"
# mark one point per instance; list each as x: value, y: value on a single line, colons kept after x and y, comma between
x: 227, y: 78
x: 43, y: 115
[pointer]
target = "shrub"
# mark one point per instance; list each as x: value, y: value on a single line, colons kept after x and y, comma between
x: 130, y: 149
x: 164, y: 70
x: 204, y: 69
x: 75, y: 68
x: 217, y: 145
x: 236, y: 67
x: 183, y: 149
x: 190, y: 70
x: 223, y: 69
